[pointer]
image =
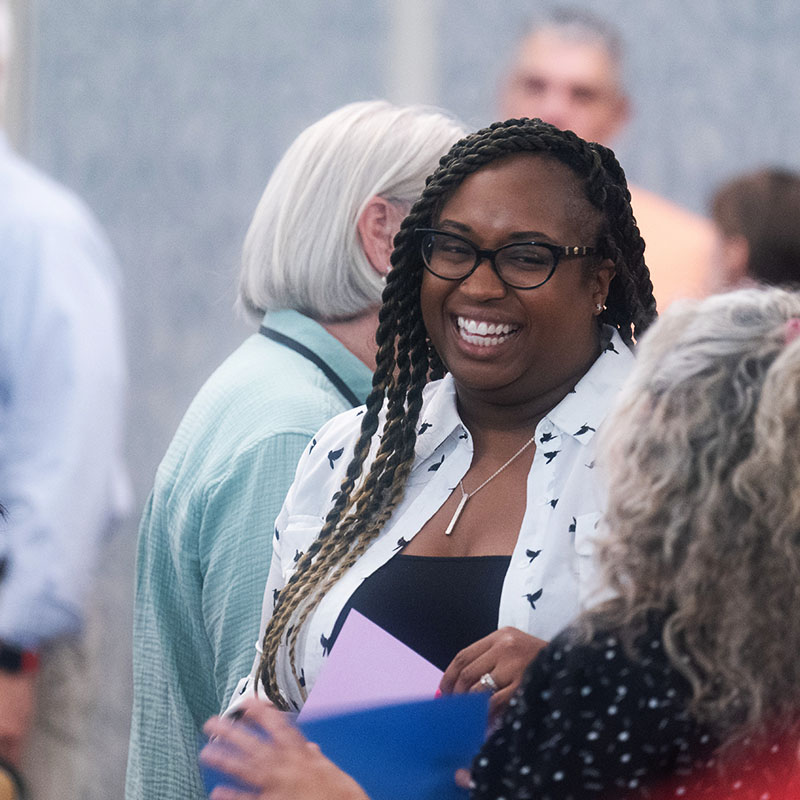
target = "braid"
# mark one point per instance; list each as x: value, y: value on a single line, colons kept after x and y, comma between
x: 630, y: 299
x: 406, y: 360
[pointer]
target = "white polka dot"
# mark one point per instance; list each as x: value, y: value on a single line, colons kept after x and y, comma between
x: 482, y: 762
x: 774, y: 749
x: 612, y: 710
x: 680, y: 791
x: 516, y: 724
x: 586, y: 690
x: 610, y: 654
x: 633, y: 783
x: 592, y: 736
x: 625, y: 758
x: 525, y: 770
x: 556, y: 714
x: 737, y: 784
x: 558, y: 776
x: 652, y: 702
x: 624, y: 736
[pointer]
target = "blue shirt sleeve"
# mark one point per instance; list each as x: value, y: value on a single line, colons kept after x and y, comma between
x: 62, y: 379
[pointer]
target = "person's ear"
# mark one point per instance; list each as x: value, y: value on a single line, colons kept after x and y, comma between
x: 618, y: 117
x: 377, y: 226
x: 623, y: 111
x: 601, y: 280
x: 734, y: 258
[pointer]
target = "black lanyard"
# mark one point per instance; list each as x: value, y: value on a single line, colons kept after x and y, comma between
x: 286, y: 341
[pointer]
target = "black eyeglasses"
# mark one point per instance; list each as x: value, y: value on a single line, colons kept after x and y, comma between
x: 520, y: 265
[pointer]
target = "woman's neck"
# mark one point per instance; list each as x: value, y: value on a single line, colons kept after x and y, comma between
x: 500, y: 411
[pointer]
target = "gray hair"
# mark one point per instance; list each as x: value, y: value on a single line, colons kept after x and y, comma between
x: 703, y: 463
x: 302, y: 250
x: 582, y: 26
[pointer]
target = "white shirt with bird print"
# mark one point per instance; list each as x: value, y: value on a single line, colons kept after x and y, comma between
x: 551, y: 575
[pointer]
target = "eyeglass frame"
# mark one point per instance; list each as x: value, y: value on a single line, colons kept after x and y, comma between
x: 558, y: 250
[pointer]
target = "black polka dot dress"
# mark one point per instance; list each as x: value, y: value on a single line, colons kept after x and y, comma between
x: 590, y: 722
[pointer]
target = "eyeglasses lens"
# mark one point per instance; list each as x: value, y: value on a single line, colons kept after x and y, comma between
x: 519, y: 265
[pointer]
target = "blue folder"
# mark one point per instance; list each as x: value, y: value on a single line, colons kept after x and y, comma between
x: 408, y: 751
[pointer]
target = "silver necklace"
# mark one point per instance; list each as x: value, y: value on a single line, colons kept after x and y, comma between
x: 467, y: 495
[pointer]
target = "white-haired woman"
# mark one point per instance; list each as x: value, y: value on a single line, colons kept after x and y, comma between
x: 313, y: 270
x: 687, y: 683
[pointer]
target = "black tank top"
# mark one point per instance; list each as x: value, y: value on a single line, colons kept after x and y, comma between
x: 435, y: 605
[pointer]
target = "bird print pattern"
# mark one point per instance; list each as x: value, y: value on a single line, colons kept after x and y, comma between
x: 532, y: 597
x: 435, y: 467
x: 546, y: 553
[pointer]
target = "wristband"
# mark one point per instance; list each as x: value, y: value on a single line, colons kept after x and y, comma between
x: 16, y: 660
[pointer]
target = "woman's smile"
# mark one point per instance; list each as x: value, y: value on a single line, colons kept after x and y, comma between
x: 484, y: 334
x: 490, y: 335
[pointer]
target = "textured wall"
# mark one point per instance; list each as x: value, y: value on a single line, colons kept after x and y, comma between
x: 168, y: 116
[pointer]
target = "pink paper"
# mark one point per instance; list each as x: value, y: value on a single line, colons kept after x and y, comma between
x: 369, y: 667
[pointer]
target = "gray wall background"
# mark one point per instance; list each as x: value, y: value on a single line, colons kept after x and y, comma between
x: 167, y: 117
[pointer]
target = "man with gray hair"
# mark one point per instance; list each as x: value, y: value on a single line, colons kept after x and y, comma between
x: 567, y: 70
x: 62, y: 384
x: 313, y: 270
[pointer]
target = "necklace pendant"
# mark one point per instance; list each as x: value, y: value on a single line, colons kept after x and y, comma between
x: 461, y: 503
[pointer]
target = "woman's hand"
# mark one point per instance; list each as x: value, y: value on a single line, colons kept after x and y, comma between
x: 504, y: 655
x: 283, y: 767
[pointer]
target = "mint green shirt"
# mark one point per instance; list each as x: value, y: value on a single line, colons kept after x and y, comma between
x: 205, y: 541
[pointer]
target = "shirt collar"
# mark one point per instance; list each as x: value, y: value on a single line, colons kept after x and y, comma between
x: 578, y: 415
x: 581, y: 412
x: 351, y: 369
x: 440, y: 417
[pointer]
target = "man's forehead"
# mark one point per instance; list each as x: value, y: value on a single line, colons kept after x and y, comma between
x: 554, y: 56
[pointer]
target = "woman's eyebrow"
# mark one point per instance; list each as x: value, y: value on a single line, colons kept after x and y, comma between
x: 458, y: 226
x: 527, y: 236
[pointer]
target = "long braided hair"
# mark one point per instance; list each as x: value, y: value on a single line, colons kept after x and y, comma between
x: 407, y: 361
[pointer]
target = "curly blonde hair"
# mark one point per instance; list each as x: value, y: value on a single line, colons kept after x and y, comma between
x: 703, y: 461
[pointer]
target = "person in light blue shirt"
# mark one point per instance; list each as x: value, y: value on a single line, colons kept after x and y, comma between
x: 314, y: 263
x: 62, y: 386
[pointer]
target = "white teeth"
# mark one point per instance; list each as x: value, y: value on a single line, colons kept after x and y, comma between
x: 484, y: 334
x: 483, y: 328
x: 483, y: 341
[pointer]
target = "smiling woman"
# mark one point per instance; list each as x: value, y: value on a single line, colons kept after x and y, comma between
x: 546, y: 300
x: 457, y: 510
